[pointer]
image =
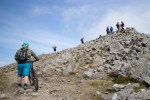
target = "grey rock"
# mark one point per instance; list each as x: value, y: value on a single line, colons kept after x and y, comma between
x: 89, y: 72
x: 98, y: 93
x: 116, y: 48
x: 118, y: 87
x: 2, y: 96
x: 122, y: 95
x: 107, y: 97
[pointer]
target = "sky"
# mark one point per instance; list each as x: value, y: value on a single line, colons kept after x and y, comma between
x: 43, y: 23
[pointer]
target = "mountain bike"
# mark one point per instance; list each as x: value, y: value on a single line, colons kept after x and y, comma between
x: 33, y: 78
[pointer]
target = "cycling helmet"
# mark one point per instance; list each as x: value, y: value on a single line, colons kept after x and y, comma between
x: 25, y: 45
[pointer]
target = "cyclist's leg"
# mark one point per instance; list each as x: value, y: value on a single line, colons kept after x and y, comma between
x: 20, y: 74
x: 26, y: 71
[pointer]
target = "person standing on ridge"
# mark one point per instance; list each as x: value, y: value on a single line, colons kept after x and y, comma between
x: 111, y: 29
x: 107, y: 30
x: 120, y: 27
x: 23, y: 58
x: 82, y: 40
x: 117, y: 25
x: 54, y: 47
x: 122, y: 24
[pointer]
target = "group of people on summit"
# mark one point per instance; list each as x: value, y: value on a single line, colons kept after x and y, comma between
x: 120, y: 28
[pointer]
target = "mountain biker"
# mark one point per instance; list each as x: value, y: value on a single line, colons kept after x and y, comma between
x: 23, y: 58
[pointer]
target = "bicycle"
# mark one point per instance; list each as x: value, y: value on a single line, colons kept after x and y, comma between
x: 33, y: 77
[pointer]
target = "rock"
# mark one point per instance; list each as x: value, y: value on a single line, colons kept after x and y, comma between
x: 118, y: 87
x: 136, y: 96
x: 116, y: 48
x: 107, y: 97
x: 142, y: 90
x: 98, y: 93
x: 98, y: 60
x: 89, y: 72
x: 122, y: 95
x: 67, y: 70
x: 114, y: 97
x: 2, y: 96
x: 131, y: 86
x: 117, y: 65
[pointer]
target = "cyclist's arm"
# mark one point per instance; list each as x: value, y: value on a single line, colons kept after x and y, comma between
x: 34, y: 55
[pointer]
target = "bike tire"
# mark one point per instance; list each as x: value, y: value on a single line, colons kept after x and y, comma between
x: 31, y: 76
x: 35, y: 80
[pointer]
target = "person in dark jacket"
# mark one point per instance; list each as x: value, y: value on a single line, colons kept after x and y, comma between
x: 117, y: 25
x: 122, y: 24
x: 111, y: 29
x: 82, y: 40
x: 107, y: 30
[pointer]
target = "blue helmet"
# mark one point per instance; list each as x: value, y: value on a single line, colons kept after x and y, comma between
x: 25, y: 45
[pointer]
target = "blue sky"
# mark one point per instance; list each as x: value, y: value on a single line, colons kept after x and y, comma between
x: 43, y: 23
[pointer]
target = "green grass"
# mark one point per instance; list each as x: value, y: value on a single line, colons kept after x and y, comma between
x: 124, y: 80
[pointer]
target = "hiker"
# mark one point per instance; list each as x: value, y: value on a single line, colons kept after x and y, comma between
x: 107, y: 30
x: 100, y: 36
x: 82, y: 40
x: 120, y: 27
x: 23, y: 58
x: 122, y: 24
x: 111, y: 29
x: 54, y: 47
x: 117, y: 25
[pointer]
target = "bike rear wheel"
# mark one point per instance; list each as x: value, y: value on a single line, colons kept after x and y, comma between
x: 33, y: 79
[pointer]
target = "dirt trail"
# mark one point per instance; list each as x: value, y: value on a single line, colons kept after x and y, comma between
x: 56, y: 86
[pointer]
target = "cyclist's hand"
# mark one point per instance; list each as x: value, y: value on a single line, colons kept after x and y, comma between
x: 32, y: 60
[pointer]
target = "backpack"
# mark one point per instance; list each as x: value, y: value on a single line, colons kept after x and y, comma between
x: 22, y: 57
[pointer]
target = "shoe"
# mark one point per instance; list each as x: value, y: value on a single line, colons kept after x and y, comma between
x: 25, y: 86
x: 19, y: 85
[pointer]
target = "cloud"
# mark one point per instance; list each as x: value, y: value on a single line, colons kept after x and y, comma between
x: 79, y: 18
x: 41, y: 10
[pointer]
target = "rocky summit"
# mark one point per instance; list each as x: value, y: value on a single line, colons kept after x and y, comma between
x: 86, y: 72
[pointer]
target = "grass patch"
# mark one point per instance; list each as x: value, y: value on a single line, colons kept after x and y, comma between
x: 124, y: 80
x: 101, y: 85
x: 95, y: 97
x: 142, y: 86
x: 111, y: 90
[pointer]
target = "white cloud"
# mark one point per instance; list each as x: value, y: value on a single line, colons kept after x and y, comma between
x: 80, y: 15
x: 41, y: 10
